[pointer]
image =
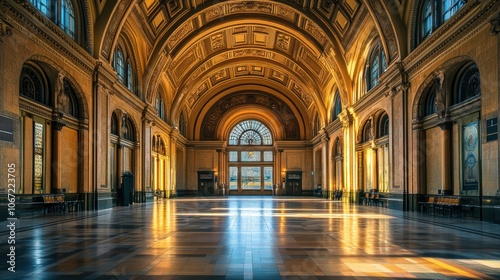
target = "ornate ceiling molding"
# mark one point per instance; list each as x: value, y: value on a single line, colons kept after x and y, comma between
x: 212, y: 118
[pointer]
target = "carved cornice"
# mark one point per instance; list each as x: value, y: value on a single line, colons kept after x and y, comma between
x: 35, y: 108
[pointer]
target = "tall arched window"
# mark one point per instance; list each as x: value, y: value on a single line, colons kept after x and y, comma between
x: 61, y: 12
x: 433, y: 13
x: 384, y: 126
x: 123, y: 64
x: 251, y: 164
x: 160, y: 107
x: 128, y: 131
x: 377, y: 64
x: 337, y: 106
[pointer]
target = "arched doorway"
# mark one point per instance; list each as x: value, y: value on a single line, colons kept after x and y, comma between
x: 250, y: 158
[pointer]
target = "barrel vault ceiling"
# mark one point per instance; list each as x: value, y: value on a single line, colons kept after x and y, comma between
x: 198, y: 53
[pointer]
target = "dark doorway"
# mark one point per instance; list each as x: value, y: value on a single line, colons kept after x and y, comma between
x: 293, y: 183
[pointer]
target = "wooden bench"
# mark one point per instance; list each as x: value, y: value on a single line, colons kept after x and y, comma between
x: 447, y: 204
x: 427, y: 205
x: 53, y: 201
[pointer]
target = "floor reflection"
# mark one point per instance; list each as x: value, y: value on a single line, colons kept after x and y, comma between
x: 255, y: 238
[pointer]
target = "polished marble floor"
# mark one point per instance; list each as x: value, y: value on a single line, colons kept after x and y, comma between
x: 251, y: 238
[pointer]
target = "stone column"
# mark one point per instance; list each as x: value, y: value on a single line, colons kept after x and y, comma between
x: 172, y: 189
x: 374, y: 169
x: 325, y: 164
x: 349, y: 156
x: 56, y: 165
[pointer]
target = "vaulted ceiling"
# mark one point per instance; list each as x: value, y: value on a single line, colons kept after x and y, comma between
x: 289, y: 55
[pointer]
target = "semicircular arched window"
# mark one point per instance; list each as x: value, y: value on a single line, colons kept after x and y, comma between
x: 469, y: 84
x: 337, y: 106
x: 377, y: 64
x: 250, y: 132
x: 33, y: 85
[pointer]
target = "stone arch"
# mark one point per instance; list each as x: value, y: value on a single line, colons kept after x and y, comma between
x: 82, y: 101
x: 447, y: 69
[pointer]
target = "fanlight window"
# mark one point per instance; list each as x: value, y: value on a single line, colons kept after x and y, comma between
x: 469, y: 85
x: 250, y: 132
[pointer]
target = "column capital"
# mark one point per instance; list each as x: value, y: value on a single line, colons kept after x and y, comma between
x: 346, y: 118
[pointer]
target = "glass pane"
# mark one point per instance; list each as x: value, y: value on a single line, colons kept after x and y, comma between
x: 250, y: 178
x: 268, y: 156
x: 250, y: 156
x: 450, y: 7
x: 268, y: 178
x: 68, y: 18
x: 233, y: 156
x: 233, y: 178
x: 426, y: 20
x: 120, y: 65
x: 252, y: 130
x: 374, y: 70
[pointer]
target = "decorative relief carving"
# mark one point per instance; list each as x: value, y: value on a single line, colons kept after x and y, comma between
x: 282, y: 111
x: 285, y: 13
x: 248, y: 6
x: 249, y: 52
x: 215, y: 12
x: 217, y: 41
x: 191, y: 99
x: 283, y: 41
x: 181, y: 33
x: 315, y: 31
x: 306, y: 98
